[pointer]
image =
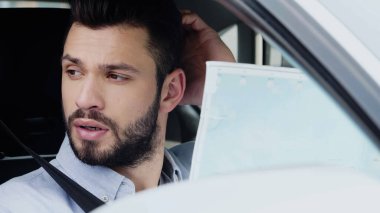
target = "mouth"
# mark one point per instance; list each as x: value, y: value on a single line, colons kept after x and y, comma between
x: 89, y: 129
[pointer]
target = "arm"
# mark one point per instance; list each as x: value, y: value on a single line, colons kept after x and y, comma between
x: 202, y: 44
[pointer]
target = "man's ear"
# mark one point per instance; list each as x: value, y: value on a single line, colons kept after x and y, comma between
x: 172, y: 90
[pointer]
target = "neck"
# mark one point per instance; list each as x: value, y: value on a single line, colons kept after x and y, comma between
x: 147, y: 174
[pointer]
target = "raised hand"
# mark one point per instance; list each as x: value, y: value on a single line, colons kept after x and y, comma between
x: 202, y: 44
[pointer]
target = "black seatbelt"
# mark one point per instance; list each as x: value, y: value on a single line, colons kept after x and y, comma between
x: 81, y: 196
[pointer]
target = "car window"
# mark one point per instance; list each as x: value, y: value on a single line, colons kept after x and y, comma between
x: 262, y: 53
x: 292, y: 121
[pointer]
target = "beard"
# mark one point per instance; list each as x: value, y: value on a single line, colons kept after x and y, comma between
x: 132, y: 146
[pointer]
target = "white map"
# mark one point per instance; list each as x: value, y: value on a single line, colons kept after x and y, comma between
x: 260, y: 117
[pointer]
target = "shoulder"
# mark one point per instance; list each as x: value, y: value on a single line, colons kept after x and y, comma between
x: 22, y: 182
x: 37, y: 180
x: 183, y: 154
x: 30, y: 192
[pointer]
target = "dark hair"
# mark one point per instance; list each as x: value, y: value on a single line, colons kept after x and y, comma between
x: 160, y: 18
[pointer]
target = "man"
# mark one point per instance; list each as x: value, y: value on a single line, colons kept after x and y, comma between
x: 121, y: 76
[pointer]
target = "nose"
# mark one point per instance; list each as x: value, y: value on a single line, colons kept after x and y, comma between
x: 90, y: 96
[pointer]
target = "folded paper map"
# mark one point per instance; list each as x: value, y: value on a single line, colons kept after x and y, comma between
x: 262, y: 117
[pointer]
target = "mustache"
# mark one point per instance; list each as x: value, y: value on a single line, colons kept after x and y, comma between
x: 94, y: 115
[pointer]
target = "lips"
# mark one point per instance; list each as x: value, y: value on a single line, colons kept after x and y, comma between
x: 89, y: 129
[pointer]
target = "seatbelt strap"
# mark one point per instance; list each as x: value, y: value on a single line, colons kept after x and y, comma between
x: 81, y: 196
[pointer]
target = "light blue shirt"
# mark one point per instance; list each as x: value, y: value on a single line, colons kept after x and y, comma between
x: 38, y: 192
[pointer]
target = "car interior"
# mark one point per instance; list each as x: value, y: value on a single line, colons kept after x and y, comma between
x: 32, y: 39
x: 30, y: 71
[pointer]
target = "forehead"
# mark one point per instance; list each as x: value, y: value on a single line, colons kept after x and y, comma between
x: 114, y: 44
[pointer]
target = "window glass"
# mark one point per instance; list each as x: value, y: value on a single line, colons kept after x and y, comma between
x: 264, y: 53
x: 270, y: 117
x: 273, y: 57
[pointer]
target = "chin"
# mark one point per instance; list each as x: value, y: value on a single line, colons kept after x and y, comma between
x: 90, y: 152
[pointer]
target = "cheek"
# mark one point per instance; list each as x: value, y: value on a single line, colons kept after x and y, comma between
x: 127, y: 106
x: 68, y: 98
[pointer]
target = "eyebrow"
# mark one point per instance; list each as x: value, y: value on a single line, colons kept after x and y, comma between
x: 76, y: 61
x: 103, y: 67
x: 120, y: 66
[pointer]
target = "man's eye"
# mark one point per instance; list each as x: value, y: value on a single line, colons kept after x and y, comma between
x: 73, y: 73
x: 117, y: 77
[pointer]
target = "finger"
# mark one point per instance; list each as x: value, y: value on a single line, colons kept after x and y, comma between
x: 194, y: 21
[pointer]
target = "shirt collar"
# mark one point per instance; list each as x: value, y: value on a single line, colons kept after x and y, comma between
x: 103, y: 181
x: 99, y: 180
x: 170, y: 170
